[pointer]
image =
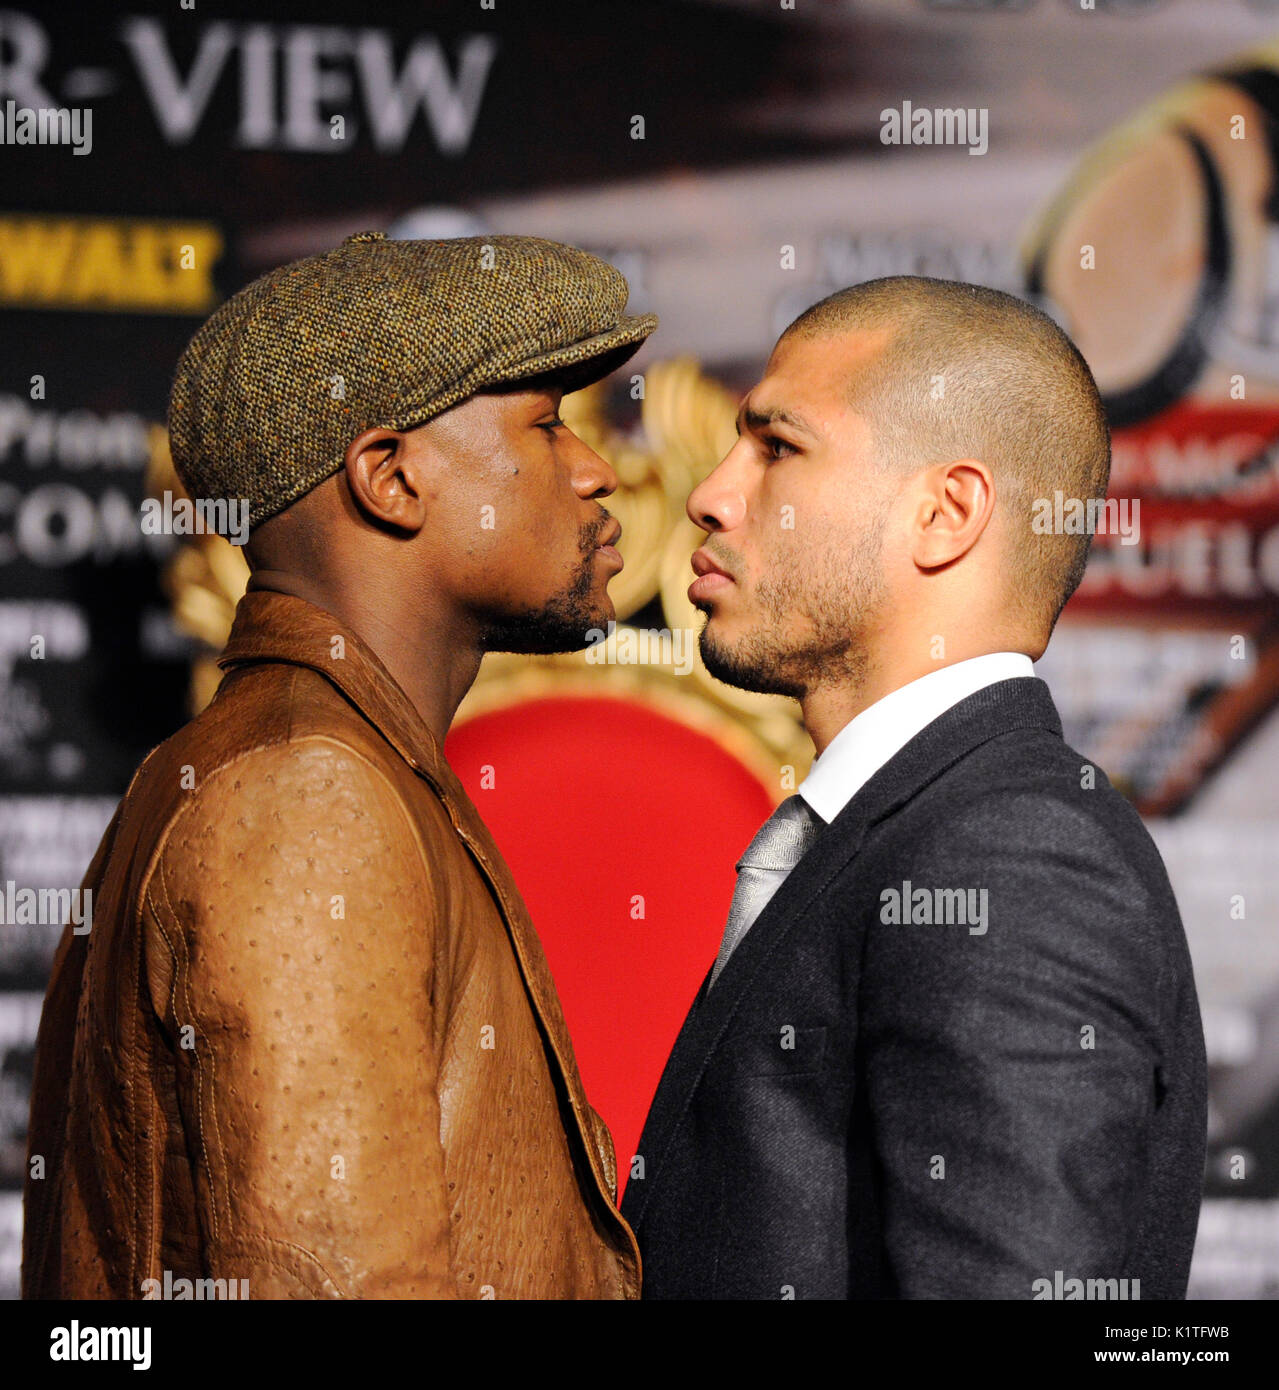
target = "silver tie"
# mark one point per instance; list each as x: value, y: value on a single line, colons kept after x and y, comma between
x: 780, y: 845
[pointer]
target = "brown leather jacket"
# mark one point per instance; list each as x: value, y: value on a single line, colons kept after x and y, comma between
x: 311, y: 1039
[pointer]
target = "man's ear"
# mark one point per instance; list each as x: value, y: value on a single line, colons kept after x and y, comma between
x: 384, y: 475
x: 955, y: 502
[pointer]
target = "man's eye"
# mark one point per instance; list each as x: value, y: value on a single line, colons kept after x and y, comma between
x: 773, y: 444
x: 552, y: 425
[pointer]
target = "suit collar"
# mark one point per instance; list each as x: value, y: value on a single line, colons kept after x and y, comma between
x: 997, y: 709
x: 1016, y: 703
x: 871, y: 738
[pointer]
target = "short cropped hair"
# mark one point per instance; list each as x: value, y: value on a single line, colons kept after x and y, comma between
x: 971, y: 372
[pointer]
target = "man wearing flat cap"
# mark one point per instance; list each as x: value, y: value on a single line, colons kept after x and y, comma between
x: 311, y: 1040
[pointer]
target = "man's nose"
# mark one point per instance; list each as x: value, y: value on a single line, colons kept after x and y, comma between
x: 593, y: 476
x: 718, y: 502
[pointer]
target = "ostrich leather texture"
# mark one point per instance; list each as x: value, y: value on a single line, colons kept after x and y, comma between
x: 310, y: 1040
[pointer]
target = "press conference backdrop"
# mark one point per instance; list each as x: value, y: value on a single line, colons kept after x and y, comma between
x: 737, y: 159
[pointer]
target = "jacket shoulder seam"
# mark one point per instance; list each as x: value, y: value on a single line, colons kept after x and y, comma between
x: 316, y: 736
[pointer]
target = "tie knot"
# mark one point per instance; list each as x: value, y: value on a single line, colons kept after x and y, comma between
x: 783, y: 838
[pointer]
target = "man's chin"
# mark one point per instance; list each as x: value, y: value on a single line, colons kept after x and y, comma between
x: 552, y: 631
x: 745, y: 665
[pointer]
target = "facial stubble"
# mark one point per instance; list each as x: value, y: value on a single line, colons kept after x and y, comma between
x: 561, y: 624
x: 813, y: 619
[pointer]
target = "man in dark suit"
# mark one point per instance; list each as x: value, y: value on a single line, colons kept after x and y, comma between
x: 951, y: 1045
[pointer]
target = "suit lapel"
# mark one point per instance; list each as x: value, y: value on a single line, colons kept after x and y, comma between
x: 713, y: 1009
x: 1023, y: 702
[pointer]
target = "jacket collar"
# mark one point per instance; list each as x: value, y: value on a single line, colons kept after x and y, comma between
x: 271, y: 626
x: 1020, y: 703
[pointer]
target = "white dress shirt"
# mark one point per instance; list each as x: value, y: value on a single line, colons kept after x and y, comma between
x: 870, y: 738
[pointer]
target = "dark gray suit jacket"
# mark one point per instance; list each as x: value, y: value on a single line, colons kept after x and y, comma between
x: 865, y: 1107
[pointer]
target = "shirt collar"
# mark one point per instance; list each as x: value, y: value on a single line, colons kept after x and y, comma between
x: 875, y: 735
x: 271, y: 626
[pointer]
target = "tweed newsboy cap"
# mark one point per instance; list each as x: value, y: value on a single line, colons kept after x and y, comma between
x: 276, y: 384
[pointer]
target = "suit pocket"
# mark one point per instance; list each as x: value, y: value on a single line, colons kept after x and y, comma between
x: 787, y: 1050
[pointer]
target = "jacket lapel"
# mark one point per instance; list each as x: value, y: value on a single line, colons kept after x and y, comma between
x: 271, y: 626
x: 997, y: 709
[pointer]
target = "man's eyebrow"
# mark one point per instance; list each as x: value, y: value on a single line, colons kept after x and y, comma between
x: 773, y: 415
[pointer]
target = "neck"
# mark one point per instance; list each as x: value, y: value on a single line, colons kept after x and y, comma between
x: 432, y: 659
x: 828, y: 708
